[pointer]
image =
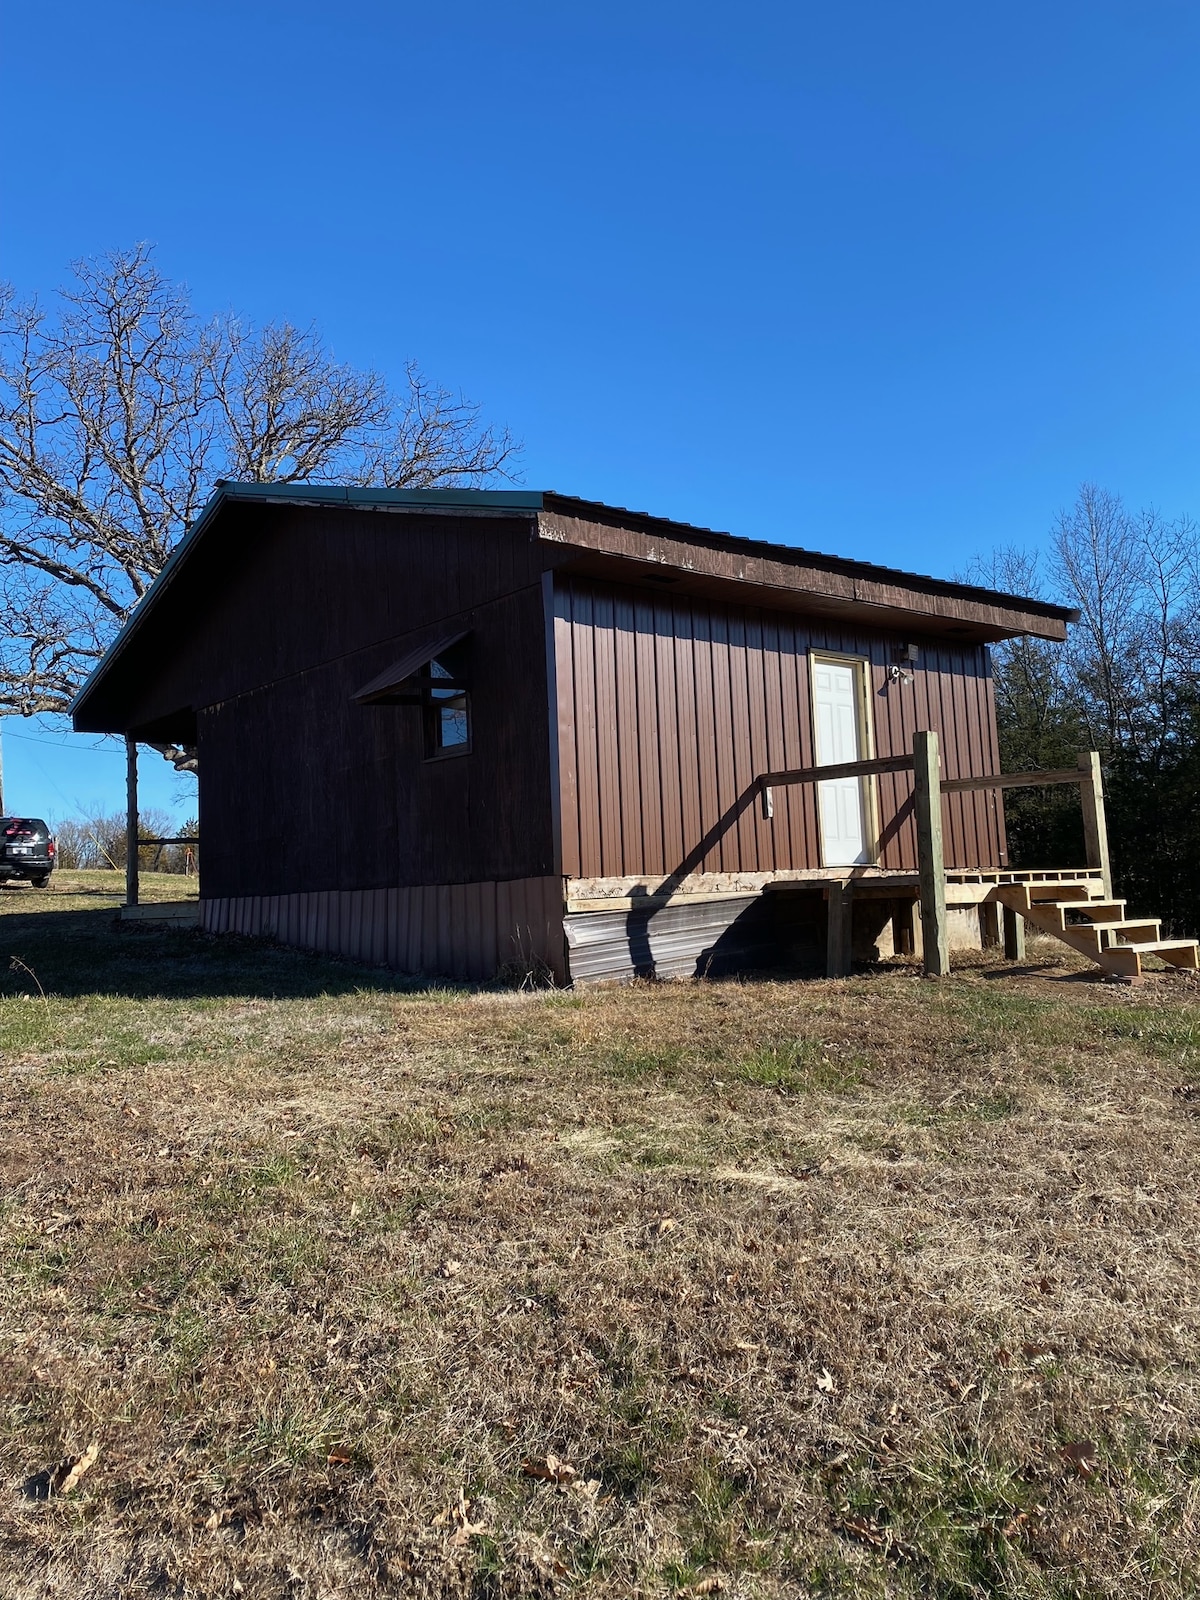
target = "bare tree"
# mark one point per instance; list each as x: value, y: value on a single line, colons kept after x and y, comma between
x: 117, y: 414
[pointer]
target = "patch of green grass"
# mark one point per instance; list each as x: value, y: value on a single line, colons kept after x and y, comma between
x: 289, y: 1435
x: 804, y: 1067
x: 634, y: 1064
x: 994, y: 1106
x: 953, y: 1522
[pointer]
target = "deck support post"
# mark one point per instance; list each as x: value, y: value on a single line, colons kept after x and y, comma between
x: 131, y: 821
x: 1014, y: 935
x: 904, y: 932
x: 1095, y: 827
x: 989, y: 925
x: 927, y: 798
x: 839, y: 945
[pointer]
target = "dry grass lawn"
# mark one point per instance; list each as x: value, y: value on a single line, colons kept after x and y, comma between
x: 875, y: 1287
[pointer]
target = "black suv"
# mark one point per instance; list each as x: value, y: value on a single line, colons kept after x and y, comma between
x: 26, y: 850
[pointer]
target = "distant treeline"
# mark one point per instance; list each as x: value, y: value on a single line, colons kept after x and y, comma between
x: 95, y: 843
x: 1127, y: 684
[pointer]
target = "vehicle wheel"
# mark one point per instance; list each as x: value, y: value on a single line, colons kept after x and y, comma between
x: 40, y: 882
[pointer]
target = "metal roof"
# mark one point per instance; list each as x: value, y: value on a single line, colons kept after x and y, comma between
x: 500, y: 500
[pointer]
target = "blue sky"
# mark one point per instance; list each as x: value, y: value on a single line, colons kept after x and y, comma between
x: 884, y: 280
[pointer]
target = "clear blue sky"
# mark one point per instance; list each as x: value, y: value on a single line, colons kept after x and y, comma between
x: 879, y: 279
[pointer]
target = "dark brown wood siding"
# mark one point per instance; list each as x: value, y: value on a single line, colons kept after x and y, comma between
x: 669, y: 708
x: 301, y: 788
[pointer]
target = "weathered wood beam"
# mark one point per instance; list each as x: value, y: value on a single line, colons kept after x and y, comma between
x: 927, y: 800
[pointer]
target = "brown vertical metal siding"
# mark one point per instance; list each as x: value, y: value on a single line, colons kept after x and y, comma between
x: 459, y: 930
x: 669, y: 707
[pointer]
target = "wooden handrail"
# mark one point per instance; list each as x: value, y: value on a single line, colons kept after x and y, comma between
x: 840, y: 769
x: 1014, y: 780
x: 869, y: 769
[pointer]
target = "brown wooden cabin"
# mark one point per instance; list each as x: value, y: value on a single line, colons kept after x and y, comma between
x: 457, y: 731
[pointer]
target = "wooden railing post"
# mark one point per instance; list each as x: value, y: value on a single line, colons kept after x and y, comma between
x: 1095, y: 828
x: 927, y: 797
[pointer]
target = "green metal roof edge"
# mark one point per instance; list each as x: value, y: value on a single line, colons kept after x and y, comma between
x: 338, y: 494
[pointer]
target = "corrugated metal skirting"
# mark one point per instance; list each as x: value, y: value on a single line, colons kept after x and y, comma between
x: 456, y: 930
x: 674, y: 941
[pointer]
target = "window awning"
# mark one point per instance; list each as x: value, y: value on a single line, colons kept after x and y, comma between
x: 403, y: 683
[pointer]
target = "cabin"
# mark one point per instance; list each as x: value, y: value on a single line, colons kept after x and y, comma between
x: 468, y: 732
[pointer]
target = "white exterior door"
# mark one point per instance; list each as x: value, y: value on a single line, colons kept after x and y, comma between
x: 836, y: 714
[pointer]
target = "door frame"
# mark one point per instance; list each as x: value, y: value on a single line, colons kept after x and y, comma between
x: 868, y: 788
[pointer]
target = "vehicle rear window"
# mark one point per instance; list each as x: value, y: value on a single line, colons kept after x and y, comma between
x: 23, y: 828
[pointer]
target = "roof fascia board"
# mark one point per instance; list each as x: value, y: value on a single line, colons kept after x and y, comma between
x: 728, y: 559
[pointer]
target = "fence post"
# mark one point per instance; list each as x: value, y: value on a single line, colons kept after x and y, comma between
x: 1095, y: 828
x: 927, y: 797
x: 131, y: 822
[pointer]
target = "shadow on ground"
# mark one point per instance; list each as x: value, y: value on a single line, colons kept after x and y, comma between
x: 89, y: 952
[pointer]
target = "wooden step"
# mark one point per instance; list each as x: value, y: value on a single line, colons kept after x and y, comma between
x: 1095, y: 910
x: 1184, y: 953
x: 1097, y: 928
x: 1053, y: 918
x: 1138, y: 932
x: 1056, y: 891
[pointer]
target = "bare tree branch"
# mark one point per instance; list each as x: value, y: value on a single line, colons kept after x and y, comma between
x: 116, y: 416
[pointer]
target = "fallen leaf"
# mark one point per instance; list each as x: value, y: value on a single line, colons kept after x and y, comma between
x: 339, y: 1458
x: 1035, y: 1352
x: 826, y: 1382
x: 549, y: 1469
x: 664, y: 1225
x: 67, y: 1474
x: 450, y: 1269
x: 871, y: 1532
x: 706, y: 1586
x: 460, y: 1515
x: 1081, y: 1456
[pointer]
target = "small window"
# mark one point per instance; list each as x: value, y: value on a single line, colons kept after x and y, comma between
x: 448, y: 706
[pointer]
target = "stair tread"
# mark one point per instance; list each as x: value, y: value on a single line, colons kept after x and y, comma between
x: 1109, y: 927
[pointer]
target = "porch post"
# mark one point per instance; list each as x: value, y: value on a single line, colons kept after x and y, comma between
x: 927, y: 797
x: 1014, y: 935
x: 1095, y: 828
x: 839, y: 947
x: 131, y: 822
